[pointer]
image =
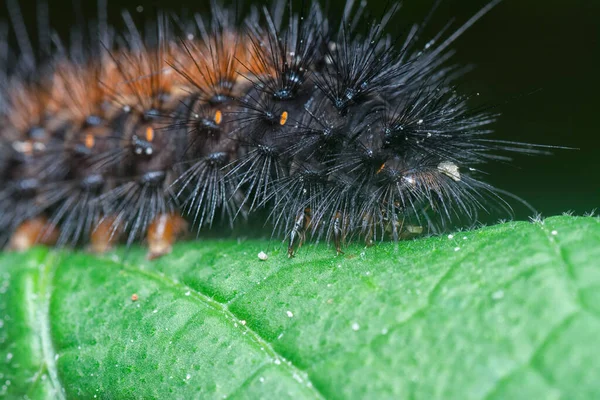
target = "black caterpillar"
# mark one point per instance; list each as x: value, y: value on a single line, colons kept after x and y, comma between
x: 333, y: 130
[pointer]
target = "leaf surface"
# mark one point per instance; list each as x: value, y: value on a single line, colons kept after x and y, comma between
x: 507, y: 311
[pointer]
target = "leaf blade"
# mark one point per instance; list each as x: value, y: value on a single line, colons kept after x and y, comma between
x: 481, y: 314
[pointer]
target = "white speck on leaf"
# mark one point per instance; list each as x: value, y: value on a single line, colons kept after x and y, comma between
x: 451, y: 236
x: 243, y: 322
x: 277, y: 361
x: 187, y: 377
x: 456, y: 248
x: 554, y: 233
x: 297, y: 377
x: 261, y: 379
x: 188, y: 293
x: 355, y: 326
x: 497, y: 295
x: 289, y: 314
x: 262, y: 256
x: 154, y: 311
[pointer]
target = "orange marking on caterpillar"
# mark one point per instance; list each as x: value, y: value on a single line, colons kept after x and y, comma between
x: 218, y: 117
x: 89, y: 140
x: 284, y: 118
x: 149, y: 134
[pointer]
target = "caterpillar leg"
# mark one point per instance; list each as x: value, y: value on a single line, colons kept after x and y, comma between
x: 339, y: 233
x: 162, y: 233
x: 368, y: 230
x: 298, y: 234
x: 397, y: 227
x: 411, y: 231
x: 104, y: 236
x: 31, y: 232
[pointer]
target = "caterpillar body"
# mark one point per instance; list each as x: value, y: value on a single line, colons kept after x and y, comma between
x: 332, y: 130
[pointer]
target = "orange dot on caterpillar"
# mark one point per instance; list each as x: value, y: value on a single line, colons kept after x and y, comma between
x: 284, y: 118
x: 149, y: 134
x: 218, y: 117
x: 89, y: 140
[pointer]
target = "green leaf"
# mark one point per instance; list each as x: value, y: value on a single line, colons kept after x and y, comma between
x: 508, y: 311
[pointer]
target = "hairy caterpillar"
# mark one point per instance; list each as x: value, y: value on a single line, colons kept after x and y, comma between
x: 334, y: 130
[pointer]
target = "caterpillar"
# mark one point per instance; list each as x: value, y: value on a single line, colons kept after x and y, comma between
x: 326, y: 129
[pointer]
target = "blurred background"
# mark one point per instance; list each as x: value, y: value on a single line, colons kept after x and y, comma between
x: 538, y: 60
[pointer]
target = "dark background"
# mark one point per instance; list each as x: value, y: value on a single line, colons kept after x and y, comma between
x: 538, y: 59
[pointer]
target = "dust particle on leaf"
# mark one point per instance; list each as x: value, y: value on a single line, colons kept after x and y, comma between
x: 498, y: 295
